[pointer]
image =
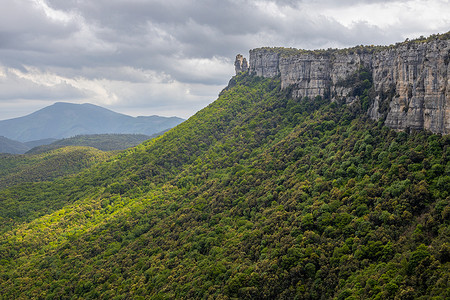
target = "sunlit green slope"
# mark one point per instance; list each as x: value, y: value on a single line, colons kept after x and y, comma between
x: 15, y: 169
x: 104, y: 142
x: 257, y: 196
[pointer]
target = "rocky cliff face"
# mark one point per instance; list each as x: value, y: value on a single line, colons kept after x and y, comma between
x: 240, y: 64
x: 411, y: 83
x: 419, y: 74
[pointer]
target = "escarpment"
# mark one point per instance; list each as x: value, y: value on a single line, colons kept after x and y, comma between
x: 410, y: 85
x: 419, y: 75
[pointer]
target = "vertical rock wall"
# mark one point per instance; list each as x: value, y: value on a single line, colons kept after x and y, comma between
x: 410, y: 80
x: 240, y: 64
x: 418, y: 73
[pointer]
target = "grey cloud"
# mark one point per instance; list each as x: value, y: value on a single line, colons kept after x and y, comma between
x: 24, y: 26
x: 137, y: 32
x: 171, y: 45
x: 15, y: 88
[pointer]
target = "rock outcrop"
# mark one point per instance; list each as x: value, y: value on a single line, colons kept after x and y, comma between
x: 419, y: 75
x: 240, y: 64
x: 411, y: 83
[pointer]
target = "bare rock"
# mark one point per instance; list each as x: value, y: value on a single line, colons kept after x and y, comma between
x: 240, y: 64
x: 410, y: 80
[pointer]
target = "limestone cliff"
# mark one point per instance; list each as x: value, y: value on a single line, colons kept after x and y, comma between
x: 240, y: 64
x: 411, y: 83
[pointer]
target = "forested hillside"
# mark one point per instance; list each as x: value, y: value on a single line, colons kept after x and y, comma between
x: 16, y: 169
x: 257, y: 196
x: 104, y: 142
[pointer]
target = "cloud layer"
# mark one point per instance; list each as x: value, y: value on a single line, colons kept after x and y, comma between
x: 172, y: 57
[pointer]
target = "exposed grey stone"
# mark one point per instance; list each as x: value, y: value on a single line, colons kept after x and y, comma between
x: 412, y: 77
x: 240, y: 64
x: 264, y: 62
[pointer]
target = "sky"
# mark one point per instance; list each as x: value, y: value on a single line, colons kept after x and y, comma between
x: 173, y: 57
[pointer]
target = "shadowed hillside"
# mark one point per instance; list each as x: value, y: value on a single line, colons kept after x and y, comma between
x: 104, y: 142
x: 257, y: 196
x: 11, y: 146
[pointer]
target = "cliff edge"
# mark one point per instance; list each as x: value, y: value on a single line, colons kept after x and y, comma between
x: 410, y: 84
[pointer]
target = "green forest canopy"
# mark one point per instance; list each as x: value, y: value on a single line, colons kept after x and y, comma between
x: 256, y: 196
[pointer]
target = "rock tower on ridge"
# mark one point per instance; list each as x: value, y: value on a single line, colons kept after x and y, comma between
x: 240, y: 64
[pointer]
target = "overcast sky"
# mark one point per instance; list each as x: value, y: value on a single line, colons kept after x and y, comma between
x: 173, y: 57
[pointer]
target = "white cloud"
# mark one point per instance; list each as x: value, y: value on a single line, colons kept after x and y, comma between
x: 134, y: 91
x: 53, y: 14
x: 173, y: 57
x: 394, y: 15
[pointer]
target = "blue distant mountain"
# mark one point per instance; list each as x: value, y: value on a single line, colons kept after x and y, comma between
x: 62, y: 120
x: 13, y: 147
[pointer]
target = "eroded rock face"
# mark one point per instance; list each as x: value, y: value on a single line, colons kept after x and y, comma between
x: 410, y: 80
x: 264, y: 62
x: 419, y: 75
x: 240, y: 64
x: 308, y: 73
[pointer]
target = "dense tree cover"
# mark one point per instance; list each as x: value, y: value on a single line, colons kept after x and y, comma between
x: 15, y: 169
x: 104, y: 142
x: 256, y: 196
x: 26, y: 176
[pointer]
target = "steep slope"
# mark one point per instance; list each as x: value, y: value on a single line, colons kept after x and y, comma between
x: 256, y: 196
x: 410, y: 79
x: 62, y: 120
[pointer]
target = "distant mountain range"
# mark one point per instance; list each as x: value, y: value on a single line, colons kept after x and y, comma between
x: 11, y: 146
x: 260, y: 195
x: 63, y: 120
x: 103, y: 142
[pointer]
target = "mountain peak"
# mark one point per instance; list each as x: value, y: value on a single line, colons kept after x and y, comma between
x: 64, y: 119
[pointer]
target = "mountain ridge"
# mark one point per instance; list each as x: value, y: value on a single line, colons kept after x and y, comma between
x: 103, y: 142
x: 12, y: 146
x: 410, y: 80
x: 258, y: 196
x: 63, y: 120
